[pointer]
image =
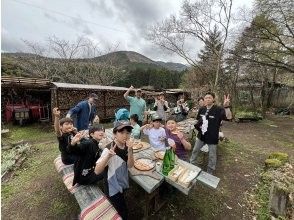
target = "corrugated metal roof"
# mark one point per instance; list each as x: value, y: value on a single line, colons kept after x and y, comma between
x: 84, y: 86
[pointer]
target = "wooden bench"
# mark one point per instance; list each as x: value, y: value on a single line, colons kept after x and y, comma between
x: 92, y: 201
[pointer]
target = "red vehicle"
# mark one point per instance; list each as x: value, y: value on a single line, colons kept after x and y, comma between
x: 26, y: 111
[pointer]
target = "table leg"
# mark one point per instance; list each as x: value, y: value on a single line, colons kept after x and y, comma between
x: 153, y: 203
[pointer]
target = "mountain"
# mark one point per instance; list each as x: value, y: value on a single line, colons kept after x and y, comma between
x: 173, y: 66
x: 133, y: 59
x: 126, y: 59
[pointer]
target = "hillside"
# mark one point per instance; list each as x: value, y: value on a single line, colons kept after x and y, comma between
x: 116, y: 68
x: 124, y: 59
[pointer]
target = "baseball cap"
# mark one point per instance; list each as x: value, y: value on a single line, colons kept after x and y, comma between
x: 94, y: 128
x: 155, y: 117
x: 119, y: 125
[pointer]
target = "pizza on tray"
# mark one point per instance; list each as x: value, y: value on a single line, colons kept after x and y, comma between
x: 144, y: 164
x: 137, y: 145
x: 159, y: 154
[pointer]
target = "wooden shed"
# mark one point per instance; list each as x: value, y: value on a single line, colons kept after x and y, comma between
x: 29, y: 96
x: 67, y: 95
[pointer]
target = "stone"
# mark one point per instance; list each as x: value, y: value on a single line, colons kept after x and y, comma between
x: 278, y: 200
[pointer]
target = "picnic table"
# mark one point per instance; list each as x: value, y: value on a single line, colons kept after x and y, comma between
x: 150, y: 181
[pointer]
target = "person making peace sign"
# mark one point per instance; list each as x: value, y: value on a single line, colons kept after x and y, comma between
x: 209, y: 121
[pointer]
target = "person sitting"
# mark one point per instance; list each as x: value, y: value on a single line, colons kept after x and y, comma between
x: 155, y: 133
x: 65, y: 131
x: 182, y: 145
x: 115, y: 160
x: 88, y: 153
x: 136, y: 132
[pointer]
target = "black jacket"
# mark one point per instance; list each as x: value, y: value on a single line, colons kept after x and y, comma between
x: 214, y: 116
x: 88, y: 153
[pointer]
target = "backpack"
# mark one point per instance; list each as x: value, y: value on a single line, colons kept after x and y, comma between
x: 121, y: 114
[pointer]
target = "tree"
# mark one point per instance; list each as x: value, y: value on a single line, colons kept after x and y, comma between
x: 273, y: 26
x: 204, y: 80
x: 197, y: 20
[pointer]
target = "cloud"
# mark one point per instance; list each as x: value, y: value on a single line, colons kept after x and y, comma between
x: 11, y: 44
x: 100, y: 7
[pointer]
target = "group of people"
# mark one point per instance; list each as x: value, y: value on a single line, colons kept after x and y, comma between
x: 80, y: 145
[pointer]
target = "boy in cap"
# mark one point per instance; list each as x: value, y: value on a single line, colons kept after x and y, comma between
x: 65, y: 131
x: 115, y: 160
x: 85, y: 112
x: 88, y: 153
x: 155, y: 133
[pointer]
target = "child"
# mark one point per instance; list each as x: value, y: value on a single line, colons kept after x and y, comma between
x: 64, y: 131
x: 136, y: 132
x: 115, y: 160
x: 182, y: 145
x: 155, y: 132
x: 88, y: 153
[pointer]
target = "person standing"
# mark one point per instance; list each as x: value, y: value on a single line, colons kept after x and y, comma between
x: 182, y: 109
x: 137, y: 104
x: 85, y: 112
x: 209, y: 121
x: 161, y: 106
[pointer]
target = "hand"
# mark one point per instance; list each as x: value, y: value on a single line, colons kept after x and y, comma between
x: 56, y: 112
x: 149, y: 126
x: 111, y: 151
x: 130, y: 143
x: 180, y: 135
x: 96, y: 119
x: 226, y: 100
x: 76, y: 138
x: 131, y: 87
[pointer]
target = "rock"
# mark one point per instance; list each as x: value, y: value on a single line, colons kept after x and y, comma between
x: 278, y: 200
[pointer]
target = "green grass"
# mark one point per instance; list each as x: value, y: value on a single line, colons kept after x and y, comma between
x: 31, y: 133
x: 262, y: 197
x: 39, y: 178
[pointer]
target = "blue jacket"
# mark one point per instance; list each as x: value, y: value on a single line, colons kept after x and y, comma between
x: 82, y: 110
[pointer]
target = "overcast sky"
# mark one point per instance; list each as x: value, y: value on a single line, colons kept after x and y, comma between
x: 107, y: 22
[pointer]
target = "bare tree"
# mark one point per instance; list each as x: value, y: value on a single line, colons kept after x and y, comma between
x: 196, y: 21
x: 74, y: 62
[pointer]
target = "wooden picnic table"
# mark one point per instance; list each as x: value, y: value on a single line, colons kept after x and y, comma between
x: 151, y: 184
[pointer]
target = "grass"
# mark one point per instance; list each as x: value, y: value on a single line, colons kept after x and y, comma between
x: 262, y: 197
x: 30, y: 133
x: 37, y: 177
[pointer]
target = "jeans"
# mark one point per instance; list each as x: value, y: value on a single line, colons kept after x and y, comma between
x: 212, y: 154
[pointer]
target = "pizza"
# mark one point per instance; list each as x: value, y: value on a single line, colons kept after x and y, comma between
x: 137, y: 145
x: 159, y: 154
x: 144, y: 164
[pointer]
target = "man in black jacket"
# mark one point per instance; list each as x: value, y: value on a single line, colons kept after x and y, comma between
x: 209, y: 121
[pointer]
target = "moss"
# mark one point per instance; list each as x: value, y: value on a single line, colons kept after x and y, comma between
x: 283, y: 157
x: 273, y: 163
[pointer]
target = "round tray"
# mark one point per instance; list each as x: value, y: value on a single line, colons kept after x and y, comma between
x: 144, y: 164
x: 137, y: 145
x: 159, y: 154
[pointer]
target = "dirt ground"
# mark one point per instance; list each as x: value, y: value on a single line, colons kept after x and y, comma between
x: 36, y: 191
